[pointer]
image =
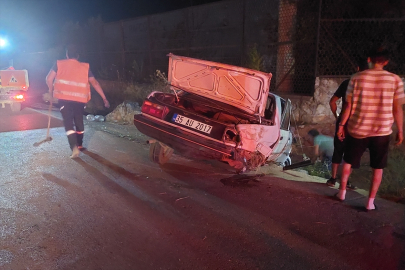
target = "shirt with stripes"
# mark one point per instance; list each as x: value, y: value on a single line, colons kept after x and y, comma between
x: 371, y: 94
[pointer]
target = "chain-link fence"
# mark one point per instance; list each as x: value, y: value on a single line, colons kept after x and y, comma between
x: 349, y: 29
x: 295, y: 40
x: 329, y: 36
x: 342, y: 42
x: 225, y: 31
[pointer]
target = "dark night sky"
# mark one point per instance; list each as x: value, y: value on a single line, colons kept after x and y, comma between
x: 37, y: 21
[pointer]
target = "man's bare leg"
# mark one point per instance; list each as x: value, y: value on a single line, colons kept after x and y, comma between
x: 375, y: 184
x: 332, y: 180
x: 346, y: 170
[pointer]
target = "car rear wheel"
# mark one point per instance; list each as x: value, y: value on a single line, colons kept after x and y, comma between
x: 15, y: 107
x: 287, y: 162
x: 160, y: 153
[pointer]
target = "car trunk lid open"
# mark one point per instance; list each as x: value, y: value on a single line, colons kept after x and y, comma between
x: 242, y: 88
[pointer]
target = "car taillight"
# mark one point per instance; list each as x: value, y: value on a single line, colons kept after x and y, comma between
x: 154, y: 109
x: 19, y: 97
x: 24, y: 87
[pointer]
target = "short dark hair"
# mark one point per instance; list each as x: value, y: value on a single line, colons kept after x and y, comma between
x: 72, y: 51
x: 379, y: 55
x: 362, y: 63
x: 313, y: 132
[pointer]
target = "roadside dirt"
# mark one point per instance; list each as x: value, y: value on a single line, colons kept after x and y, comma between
x: 131, y: 133
x: 128, y: 131
x: 360, y: 177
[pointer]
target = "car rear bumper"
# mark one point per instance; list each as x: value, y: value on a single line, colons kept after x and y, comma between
x: 182, y: 140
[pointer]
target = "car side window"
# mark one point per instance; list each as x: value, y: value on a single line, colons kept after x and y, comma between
x: 286, y: 114
x: 270, y: 106
x: 282, y: 101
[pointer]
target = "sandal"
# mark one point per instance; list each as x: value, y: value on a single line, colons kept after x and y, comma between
x: 368, y: 210
x: 335, y: 197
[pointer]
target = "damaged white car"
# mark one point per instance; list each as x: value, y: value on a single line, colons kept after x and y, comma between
x: 217, y: 111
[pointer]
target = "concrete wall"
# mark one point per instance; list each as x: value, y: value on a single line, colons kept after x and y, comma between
x: 315, y: 109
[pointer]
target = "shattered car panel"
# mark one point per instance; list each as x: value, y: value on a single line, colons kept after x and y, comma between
x: 238, y: 122
x: 253, y: 135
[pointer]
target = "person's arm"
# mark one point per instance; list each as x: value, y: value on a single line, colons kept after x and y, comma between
x: 315, y: 153
x: 333, y: 106
x: 398, y: 118
x: 343, y: 120
x: 345, y: 113
x: 346, y: 110
x: 339, y: 94
x: 49, y: 80
x: 99, y: 90
x: 316, y: 150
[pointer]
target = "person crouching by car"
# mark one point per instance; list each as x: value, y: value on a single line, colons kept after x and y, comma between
x: 323, y: 146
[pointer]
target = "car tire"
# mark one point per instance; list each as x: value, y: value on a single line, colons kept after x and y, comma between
x: 160, y: 153
x: 15, y: 107
x: 287, y: 162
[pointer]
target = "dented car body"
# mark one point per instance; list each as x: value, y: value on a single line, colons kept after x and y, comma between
x: 217, y: 111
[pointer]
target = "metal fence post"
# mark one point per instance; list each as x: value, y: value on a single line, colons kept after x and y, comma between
x: 317, y: 39
x: 150, y: 46
x: 242, y: 45
x: 122, y: 48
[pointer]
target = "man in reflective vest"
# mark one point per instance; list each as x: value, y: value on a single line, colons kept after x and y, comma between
x: 69, y: 80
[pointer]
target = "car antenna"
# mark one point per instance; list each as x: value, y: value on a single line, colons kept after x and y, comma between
x: 162, y: 76
x: 175, y: 93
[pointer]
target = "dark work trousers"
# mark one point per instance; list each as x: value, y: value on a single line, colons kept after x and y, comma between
x: 72, y: 113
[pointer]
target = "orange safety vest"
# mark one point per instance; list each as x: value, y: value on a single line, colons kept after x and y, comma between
x: 72, y: 81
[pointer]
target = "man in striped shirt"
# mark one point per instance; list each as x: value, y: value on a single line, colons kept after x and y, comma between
x: 374, y: 101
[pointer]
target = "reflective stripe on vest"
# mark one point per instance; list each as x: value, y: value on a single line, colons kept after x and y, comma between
x: 72, y: 83
x: 71, y: 94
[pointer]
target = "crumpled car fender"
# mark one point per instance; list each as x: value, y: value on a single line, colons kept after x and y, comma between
x: 258, y: 137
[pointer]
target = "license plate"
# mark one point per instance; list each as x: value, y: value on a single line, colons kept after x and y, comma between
x: 185, y: 121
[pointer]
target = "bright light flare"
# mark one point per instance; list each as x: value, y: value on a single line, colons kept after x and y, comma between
x: 19, y: 97
x: 3, y: 42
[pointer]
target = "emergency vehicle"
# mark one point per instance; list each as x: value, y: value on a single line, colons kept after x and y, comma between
x: 13, y: 87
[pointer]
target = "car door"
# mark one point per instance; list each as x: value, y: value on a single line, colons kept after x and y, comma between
x: 282, y: 150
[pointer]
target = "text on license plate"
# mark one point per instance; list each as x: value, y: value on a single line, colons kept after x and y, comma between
x: 180, y: 119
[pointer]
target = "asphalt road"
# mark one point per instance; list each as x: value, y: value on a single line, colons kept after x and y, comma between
x: 114, y: 209
x: 27, y: 119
